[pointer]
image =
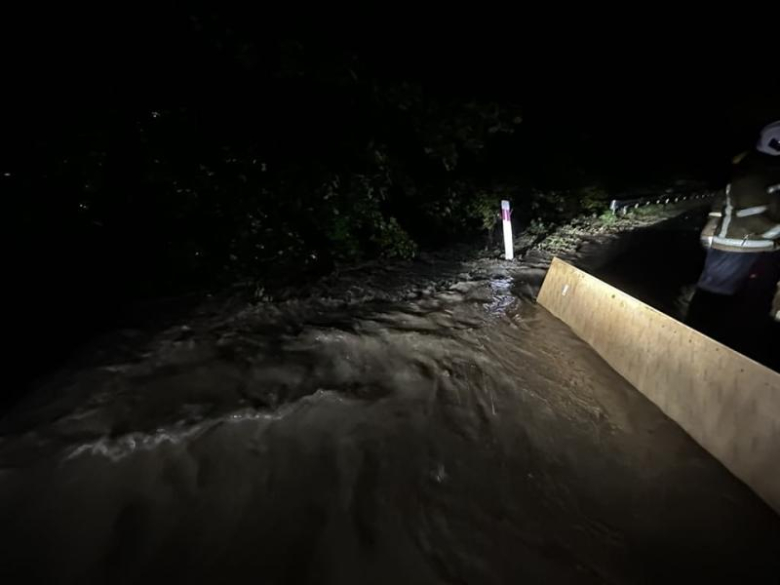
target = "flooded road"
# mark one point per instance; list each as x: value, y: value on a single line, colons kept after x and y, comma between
x: 450, y: 431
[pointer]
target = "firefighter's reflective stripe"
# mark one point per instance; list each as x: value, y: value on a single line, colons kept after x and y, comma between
x: 737, y: 243
x: 748, y: 211
x: 772, y: 233
x: 709, y: 229
x: 773, y: 188
x: 724, y: 230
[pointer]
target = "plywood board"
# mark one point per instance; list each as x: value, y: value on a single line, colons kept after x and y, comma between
x: 727, y: 402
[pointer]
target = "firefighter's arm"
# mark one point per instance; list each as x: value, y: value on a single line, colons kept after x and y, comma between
x: 773, y: 205
x: 713, y: 220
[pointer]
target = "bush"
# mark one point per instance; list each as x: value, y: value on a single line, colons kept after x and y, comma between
x: 593, y: 199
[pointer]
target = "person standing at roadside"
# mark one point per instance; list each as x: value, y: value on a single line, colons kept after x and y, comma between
x: 734, y: 298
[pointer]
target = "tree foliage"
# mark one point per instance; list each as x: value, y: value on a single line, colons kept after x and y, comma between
x: 324, y: 162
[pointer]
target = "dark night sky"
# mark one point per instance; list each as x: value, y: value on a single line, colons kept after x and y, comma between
x: 596, y: 78
x: 671, y: 91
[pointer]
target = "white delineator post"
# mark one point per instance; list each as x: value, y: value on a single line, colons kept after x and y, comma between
x: 509, y: 245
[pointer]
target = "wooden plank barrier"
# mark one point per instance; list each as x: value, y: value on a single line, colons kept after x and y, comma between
x: 727, y: 402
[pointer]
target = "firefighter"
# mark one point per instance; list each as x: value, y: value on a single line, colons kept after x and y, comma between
x: 734, y: 298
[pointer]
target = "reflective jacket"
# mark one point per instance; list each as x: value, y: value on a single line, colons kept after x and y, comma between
x: 749, y: 218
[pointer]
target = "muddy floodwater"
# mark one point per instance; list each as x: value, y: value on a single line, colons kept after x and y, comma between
x: 452, y: 432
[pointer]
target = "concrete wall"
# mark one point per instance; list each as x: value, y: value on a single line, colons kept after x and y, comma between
x: 727, y: 402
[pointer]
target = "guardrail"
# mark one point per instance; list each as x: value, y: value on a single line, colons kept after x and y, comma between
x: 623, y: 206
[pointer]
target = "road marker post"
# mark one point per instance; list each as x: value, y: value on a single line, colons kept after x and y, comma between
x: 509, y: 244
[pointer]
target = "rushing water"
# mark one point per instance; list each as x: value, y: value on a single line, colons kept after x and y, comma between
x: 450, y: 432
